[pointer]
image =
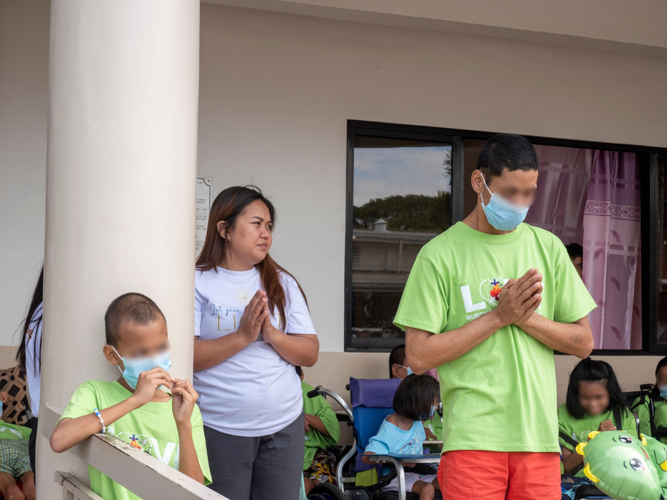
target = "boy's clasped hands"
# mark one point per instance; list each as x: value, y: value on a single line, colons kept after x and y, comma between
x: 183, y: 394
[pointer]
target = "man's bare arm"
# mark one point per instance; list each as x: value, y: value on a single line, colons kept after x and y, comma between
x: 518, y: 299
x: 571, y: 338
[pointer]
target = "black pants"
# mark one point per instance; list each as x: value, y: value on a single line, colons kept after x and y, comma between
x: 257, y: 468
x: 32, y: 423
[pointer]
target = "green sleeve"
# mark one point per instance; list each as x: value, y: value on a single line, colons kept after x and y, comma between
x: 200, y: 443
x: 424, y: 301
x: 644, y: 417
x: 83, y: 402
x: 629, y: 423
x: 330, y: 421
x: 563, y: 424
x: 572, y: 301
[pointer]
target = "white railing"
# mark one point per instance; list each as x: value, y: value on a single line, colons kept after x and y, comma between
x: 136, y: 470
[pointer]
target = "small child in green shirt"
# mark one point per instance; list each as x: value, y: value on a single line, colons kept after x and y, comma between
x: 659, y: 396
x: 146, y: 407
x: 15, y: 459
x: 594, y: 402
x: 322, y: 430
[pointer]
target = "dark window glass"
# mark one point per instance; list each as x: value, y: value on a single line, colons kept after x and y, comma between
x: 661, y: 266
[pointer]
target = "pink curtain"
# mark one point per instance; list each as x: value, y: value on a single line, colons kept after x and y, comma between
x: 612, y: 237
x: 592, y: 197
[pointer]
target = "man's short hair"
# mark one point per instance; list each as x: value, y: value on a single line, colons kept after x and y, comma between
x: 575, y: 250
x: 397, y: 356
x: 132, y: 307
x: 510, y: 151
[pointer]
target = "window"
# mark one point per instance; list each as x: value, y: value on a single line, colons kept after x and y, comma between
x: 408, y: 184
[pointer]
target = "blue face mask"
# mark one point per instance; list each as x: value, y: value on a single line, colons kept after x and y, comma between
x: 410, y: 372
x: 433, y: 409
x: 663, y: 391
x: 135, y: 366
x: 502, y: 214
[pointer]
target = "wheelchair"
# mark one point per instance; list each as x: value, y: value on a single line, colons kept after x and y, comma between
x: 372, y: 402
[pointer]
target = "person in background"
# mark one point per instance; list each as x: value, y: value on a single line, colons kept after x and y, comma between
x: 15, y: 459
x: 397, y: 369
x: 402, y: 432
x: 29, y: 356
x: 594, y: 402
x: 397, y: 362
x: 322, y: 430
x: 576, y: 253
x: 659, y: 395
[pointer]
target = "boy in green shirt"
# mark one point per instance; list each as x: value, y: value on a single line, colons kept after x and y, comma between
x: 322, y: 430
x: 487, y: 302
x: 165, y: 423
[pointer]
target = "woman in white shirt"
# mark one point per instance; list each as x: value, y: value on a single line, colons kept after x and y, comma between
x: 252, y: 326
x: 29, y: 356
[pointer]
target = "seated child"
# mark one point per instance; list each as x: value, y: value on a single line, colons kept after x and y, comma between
x: 594, y: 402
x: 659, y: 396
x: 402, y: 433
x: 322, y: 430
x: 165, y: 423
x: 397, y: 369
x: 15, y: 459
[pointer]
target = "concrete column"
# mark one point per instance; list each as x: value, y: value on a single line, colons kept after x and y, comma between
x: 121, y: 175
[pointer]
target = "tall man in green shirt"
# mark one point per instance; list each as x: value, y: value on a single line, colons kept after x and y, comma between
x: 487, y: 302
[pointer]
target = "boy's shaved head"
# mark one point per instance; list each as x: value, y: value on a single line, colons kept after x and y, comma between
x: 132, y: 307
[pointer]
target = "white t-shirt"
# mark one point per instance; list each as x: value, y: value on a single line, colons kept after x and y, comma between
x: 33, y: 364
x: 255, y: 392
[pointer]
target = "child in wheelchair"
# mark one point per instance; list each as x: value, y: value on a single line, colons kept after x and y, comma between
x: 322, y: 430
x: 402, y: 433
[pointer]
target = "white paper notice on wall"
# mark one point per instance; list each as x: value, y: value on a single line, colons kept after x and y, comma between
x: 204, y: 189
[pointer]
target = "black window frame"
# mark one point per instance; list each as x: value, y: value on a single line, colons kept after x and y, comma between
x: 648, y: 161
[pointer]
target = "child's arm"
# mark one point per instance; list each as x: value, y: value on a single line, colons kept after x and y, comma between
x: 365, y: 459
x: 571, y: 460
x: 184, y: 397
x: 316, y: 423
x: 71, y: 431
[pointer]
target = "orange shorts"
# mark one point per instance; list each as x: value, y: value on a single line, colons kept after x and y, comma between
x: 493, y: 475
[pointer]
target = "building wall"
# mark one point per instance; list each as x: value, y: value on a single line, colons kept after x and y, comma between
x: 276, y: 93
x: 24, y: 65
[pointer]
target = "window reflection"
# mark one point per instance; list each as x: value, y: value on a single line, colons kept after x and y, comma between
x: 402, y: 199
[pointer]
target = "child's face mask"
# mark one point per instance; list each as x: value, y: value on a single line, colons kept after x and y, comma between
x: 135, y: 366
x: 663, y: 392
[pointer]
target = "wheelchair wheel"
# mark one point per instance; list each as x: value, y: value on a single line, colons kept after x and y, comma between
x: 326, y: 491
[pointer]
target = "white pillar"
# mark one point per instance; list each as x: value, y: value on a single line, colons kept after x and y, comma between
x: 121, y: 175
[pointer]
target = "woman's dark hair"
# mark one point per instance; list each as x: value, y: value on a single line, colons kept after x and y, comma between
x: 415, y: 395
x: 228, y: 206
x: 592, y: 370
x: 37, y: 299
x: 397, y: 357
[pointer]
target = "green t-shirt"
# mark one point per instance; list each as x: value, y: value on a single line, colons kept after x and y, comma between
x: 319, y: 407
x: 501, y: 395
x: 12, y: 431
x: 435, y: 426
x: 645, y: 420
x: 151, y: 428
x: 578, y: 428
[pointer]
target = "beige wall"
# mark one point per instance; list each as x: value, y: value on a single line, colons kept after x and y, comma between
x: 276, y: 92
x: 24, y: 64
